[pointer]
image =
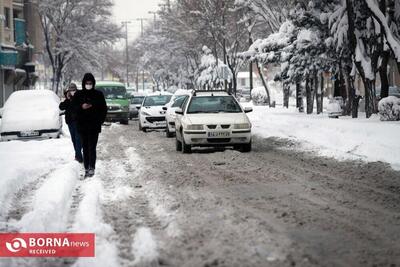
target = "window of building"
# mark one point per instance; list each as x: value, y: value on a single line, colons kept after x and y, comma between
x: 7, y: 15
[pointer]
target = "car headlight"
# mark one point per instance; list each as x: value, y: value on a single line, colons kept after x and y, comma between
x: 242, y: 126
x: 195, y: 127
x: 145, y: 113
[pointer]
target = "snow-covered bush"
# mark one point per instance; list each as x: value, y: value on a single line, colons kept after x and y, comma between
x: 389, y: 108
x: 259, y: 96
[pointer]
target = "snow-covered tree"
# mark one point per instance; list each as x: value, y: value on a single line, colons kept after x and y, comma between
x: 74, y: 32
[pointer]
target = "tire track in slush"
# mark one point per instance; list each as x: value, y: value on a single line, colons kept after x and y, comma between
x: 125, y: 205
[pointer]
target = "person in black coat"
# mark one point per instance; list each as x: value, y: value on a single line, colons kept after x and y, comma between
x: 92, y: 111
x: 70, y: 119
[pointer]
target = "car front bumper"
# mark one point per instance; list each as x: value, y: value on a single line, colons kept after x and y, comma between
x: 41, y: 134
x: 117, y: 116
x: 202, y: 138
x: 153, y: 122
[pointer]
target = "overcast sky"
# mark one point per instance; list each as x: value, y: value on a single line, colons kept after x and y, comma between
x: 133, y: 9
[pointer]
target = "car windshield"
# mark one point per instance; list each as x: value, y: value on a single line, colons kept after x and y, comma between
x: 213, y: 104
x: 179, y: 101
x: 159, y: 100
x: 113, y: 92
x: 137, y: 100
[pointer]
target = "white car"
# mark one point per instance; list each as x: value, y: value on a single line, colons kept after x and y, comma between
x: 210, y: 119
x: 177, y: 100
x: 151, y: 113
x: 30, y: 114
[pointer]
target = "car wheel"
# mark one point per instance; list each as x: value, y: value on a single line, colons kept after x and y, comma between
x: 186, y: 149
x: 178, y: 145
x: 168, y: 133
x: 144, y: 130
x: 246, y: 148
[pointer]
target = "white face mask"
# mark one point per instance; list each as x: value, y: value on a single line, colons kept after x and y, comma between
x: 88, y: 87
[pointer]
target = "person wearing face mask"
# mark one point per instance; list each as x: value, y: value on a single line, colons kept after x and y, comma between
x: 92, y: 111
x: 71, y: 120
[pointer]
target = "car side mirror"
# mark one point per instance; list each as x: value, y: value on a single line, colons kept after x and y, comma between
x: 138, y: 106
x: 179, y: 111
x: 248, y: 109
x: 165, y: 108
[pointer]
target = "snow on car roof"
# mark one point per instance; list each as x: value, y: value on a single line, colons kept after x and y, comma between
x: 182, y: 92
x: 109, y: 83
x: 211, y: 93
x: 159, y: 93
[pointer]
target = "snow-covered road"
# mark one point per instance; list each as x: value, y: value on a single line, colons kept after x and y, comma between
x: 151, y: 206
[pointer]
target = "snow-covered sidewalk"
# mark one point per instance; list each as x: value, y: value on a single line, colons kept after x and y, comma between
x: 345, y: 138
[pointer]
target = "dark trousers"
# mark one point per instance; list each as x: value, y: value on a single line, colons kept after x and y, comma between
x: 76, y: 140
x: 89, y: 144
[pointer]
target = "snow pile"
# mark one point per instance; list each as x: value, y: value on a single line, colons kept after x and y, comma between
x: 259, y: 96
x: 345, y: 138
x: 23, y: 163
x: 389, y: 108
x: 89, y: 219
x: 144, y: 248
x: 31, y: 110
x: 51, y: 202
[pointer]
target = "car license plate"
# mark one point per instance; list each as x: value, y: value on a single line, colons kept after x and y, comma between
x: 219, y: 134
x: 161, y: 124
x: 29, y: 133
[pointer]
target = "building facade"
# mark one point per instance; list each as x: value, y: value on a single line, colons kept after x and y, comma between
x: 18, y: 28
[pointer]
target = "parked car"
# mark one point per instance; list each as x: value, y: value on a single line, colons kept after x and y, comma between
x: 177, y: 100
x: 31, y: 114
x: 393, y: 91
x: 117, y: 101
x: 210, y: 119
x: 134, y: 102
x: 335, y: 107
x: 151, y: 112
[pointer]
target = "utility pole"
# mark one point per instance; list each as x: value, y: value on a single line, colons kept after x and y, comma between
x: 251, y: 63
x: 125, y: 23
x: 142, y: 34
x: 155, y: 19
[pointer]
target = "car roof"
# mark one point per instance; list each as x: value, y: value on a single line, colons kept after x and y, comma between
x: 109, y: 83
x: 160, y: 93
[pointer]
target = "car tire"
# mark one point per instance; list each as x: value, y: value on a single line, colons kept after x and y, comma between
x: 144, y: 130
x: 186, y: 149
x: 168, y: 133
x: 178, y: 145
x: 246, y: 148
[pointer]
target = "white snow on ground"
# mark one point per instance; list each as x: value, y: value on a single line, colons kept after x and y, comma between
x: 89, y: 219
x: 22, y: 163
x: 52, y: 201
x: 345, y: 138
x: 145, y: 248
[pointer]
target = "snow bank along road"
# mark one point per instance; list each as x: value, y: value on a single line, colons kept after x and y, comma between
x: 152, y: 206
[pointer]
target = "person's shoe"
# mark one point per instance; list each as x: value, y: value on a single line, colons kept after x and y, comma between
x: 91, y: 173
x: 86, y: 173
x: 79, y: 160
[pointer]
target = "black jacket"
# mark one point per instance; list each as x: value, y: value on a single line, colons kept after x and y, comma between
x: 90, y: 120
x: 70, y: 111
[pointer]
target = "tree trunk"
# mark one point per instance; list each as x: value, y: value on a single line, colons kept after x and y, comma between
x: 264, y: 83
x: 384, y: 74
x: 320, y: 95
x: 309, y: 96
x: 286, y: 93
x: 299, y: 97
